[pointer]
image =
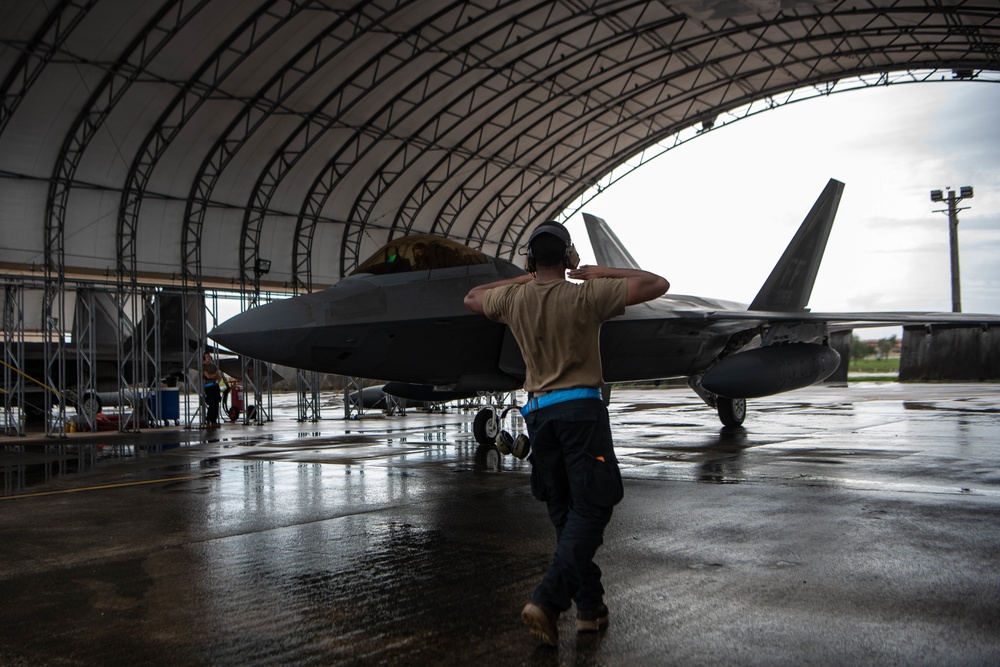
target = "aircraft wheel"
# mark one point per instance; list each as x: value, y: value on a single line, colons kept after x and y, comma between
x: 89, y: 406
x: 732, y: 411
x: 486, y: 426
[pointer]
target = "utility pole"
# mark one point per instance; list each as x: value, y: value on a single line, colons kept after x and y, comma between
x: 965, y: 192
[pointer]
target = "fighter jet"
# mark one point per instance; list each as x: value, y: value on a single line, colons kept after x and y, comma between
x: 400, y: 316
x: 175, y: 327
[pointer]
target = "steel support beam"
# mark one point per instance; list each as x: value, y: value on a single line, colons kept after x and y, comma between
x: 85, y: 342
x: 13, y: 359
x: 353, y: 385
x: 194, y: 305
x: 54, y: 347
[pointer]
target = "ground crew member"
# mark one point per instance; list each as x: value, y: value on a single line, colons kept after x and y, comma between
x: 213, y: 394
x: 574, y: 469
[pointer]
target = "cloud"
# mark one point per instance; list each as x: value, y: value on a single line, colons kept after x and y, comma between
x: 714, y: 214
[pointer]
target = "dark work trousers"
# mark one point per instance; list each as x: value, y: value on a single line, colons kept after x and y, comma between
x: 213, y: 396
x: 575, y: 472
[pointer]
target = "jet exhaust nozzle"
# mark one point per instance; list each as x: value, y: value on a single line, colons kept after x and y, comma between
x: 771, y: 370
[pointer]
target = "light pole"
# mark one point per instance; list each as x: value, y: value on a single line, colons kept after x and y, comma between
x: 965, y: 192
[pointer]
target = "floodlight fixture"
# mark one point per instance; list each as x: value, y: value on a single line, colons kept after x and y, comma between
x: 953, y: 198
x: 262, y: 266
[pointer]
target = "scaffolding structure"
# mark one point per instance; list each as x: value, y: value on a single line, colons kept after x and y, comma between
x: 13, y: 359
x: 72, y: 347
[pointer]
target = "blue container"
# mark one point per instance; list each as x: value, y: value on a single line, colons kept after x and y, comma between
x: 169, y: 403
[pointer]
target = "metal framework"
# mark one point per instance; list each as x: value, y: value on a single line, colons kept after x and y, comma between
x: 211, y: 134
x: 13, y: 359
x: 195, y: 308
x: 48, y: 41
x: 85, y: 340
x: 307, y: 386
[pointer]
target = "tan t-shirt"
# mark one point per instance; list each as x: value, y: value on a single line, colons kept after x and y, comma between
x: 558, y: 326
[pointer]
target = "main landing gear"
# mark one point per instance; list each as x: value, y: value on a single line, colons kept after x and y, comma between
x: 732, y: 411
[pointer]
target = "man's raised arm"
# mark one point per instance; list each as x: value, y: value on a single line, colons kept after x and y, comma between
x: 642, y: 285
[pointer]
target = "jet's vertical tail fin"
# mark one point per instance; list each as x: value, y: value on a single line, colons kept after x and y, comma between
x: 791, y: 281
x: 608, y: 250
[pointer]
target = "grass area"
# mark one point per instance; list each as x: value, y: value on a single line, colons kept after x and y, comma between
x: 890, y: 365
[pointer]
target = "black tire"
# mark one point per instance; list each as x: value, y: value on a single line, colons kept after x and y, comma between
x: 485, y: 427
x: 89, y: 406
x: 732, y: 411
x: 233, y: 414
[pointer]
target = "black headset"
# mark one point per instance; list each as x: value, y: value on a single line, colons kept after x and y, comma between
x: 508, y: 444
x: 571, y: 258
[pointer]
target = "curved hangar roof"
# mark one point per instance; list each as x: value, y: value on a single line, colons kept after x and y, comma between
x: 196, y: 137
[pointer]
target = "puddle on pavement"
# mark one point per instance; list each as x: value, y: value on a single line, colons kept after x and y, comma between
x: 26, y: 466
x: 951, y: 407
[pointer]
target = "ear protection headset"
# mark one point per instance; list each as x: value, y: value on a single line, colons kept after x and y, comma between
x: 571, y: 259
x: 508, y: 444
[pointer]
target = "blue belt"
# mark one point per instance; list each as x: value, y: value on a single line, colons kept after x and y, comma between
x: 209, y: 384
x: 560, y: 396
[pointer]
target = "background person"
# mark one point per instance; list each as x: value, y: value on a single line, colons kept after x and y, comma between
x: 213, y: 395
x: 574, y: 470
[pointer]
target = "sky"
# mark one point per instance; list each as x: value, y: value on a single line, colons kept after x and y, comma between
x: 714, y: 214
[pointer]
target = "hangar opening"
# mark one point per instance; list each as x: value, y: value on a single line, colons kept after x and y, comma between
x: 172, y: 150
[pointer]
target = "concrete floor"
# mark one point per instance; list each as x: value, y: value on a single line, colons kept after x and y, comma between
x: 854, y: 525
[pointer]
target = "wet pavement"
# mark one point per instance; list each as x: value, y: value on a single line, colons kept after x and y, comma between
x: 854, y: 525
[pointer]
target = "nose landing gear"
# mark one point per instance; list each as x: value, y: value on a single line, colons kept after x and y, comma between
x: 486, y: 426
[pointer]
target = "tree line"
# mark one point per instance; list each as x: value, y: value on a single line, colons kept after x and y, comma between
x: 862, y: 349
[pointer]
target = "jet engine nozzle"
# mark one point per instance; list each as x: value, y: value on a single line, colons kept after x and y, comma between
x: 771, y: 370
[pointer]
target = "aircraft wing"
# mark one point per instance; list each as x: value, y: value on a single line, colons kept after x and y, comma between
x: 839, y: 321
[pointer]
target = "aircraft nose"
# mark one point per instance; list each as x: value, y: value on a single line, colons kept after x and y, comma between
x: 271, y: 332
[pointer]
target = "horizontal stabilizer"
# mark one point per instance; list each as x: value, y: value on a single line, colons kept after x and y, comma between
x: 608, y: 250
x: 790, y: 284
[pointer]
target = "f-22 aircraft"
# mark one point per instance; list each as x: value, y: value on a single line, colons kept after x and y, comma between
x: 400, y: 317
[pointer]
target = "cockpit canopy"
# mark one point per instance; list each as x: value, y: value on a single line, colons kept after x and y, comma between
x: 419, y: 252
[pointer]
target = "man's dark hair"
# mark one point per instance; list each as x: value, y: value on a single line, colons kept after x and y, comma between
x: 548, y: 250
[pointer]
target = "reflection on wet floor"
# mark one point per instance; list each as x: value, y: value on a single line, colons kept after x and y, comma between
x: 659, y: 434
x: 396, y: 443
x: 28, y: 465
x: 721, y: 464
x: 843, y: 530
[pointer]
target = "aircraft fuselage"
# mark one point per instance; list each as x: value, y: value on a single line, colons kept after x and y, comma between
x: 414, y: 328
